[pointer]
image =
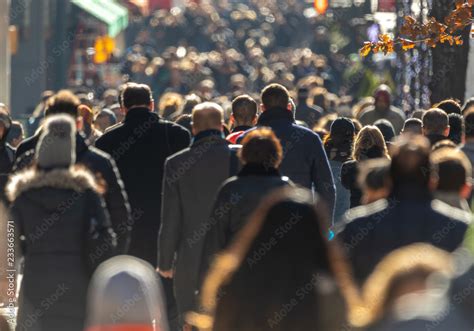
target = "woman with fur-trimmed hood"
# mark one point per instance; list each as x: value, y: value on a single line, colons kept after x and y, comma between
x: 62, y: 230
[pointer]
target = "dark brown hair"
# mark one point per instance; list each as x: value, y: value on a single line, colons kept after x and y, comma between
x: 63, y: 102
x: 275, y: 95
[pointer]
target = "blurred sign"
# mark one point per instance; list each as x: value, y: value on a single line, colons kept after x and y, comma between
x: 104, y: 47
x: 387, y: 6
x: 321, y: 6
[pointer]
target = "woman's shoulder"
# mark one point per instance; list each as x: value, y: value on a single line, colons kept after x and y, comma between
x: 350, y: 164
x: 76, y: 179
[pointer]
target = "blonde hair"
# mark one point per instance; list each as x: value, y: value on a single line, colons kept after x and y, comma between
x: 369, y: 137
x: 416, y: 260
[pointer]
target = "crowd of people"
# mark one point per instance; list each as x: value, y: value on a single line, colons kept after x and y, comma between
x: 242, y: 179
x: 258, y: 222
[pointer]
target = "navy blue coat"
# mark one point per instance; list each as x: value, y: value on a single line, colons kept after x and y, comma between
x: 304, y: 159
x: 369, y: 233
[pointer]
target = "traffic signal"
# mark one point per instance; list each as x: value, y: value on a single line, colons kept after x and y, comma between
x: 321, y: 6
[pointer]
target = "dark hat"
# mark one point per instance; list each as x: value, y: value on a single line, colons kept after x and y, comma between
x: 342, y: 126
x: 386, y: 128
x: 303, y: 92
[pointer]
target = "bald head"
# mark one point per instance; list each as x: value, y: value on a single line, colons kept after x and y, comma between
x: 207, y: 116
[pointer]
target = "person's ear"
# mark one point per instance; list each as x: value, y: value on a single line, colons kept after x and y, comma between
x: 232, y: 120
x: 289, y: 106
x: 466, y: 190
x: 446, y: 131
x: 79, y: 123
x: 152, y: 106
x: 433, y: 183
x: 262, y: 107
x: 255, y: 119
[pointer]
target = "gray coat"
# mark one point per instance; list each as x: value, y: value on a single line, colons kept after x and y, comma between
x: 53, y: 213
x: 190, y: 183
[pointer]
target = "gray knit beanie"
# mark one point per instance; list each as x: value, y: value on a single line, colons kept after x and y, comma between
x: 56, y: 147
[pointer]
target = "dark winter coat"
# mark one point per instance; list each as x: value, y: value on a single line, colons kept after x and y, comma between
x: 238, y: 197
x: 54, y: 212
x: 371, y: 232
x: 349, y: 174
x: 435, y: 138
x: 106, y: 173
x: 304, y: 161
x: 7, y: 158
x: 140, y: 146
x: 308, y: 114
x: 191, y: 180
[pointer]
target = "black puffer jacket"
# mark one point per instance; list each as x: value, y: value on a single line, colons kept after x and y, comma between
x: 105, y: 170
x: 54, y: 211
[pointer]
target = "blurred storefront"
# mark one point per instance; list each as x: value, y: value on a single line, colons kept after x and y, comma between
x: 57, y: 42
x: 99, y: 34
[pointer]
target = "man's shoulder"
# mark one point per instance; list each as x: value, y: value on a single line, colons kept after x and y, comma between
x: 113, y: 127
x: 96, y: 158
x: 99, y: 154
x: 450, y: 213
x: 398, y: 111
x: 306, y: 133
x: 27, y: 144
x: 363, y: 215
x: 183, y: 154
x: 174, y: 127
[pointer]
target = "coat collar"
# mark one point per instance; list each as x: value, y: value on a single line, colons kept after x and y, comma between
x: 411, y: 193
x: 254, y: 169
x: 241, y: 128
x: 275, y: 114
x: 207, y: 135
x: 74, y: 178
x: 138, y: 114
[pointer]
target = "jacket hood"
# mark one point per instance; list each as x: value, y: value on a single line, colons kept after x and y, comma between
x: 75, y: 179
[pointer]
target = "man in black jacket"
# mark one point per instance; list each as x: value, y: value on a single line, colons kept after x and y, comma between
x: 96, y: 161
x: 304, y: 159
x: 140, y: 146
x: 191, y: 180
x: 408, y: 216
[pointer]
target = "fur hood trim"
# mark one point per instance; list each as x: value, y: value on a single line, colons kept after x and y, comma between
x: 74, y: 179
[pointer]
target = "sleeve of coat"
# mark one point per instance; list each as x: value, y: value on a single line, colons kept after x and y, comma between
x: 180, y: 139
x: 322, y: 176
x: 101, y: 229
x: 118, y: 207
x: 216, y: 236
x: 171, y: 219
